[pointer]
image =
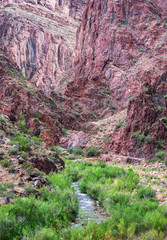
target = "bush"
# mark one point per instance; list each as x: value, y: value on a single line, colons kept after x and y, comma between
x: 112, y: 107
x: 92, y: 151
x: 13, y: 151
x: 5, y: 163
x: 23, y: 141
x: 29, y: 189
x: 146, y: 192
x: 24, y: 154
x: 56, y: 149
x: 160, y: 154
x: 149, y: 139
x: 22, y: 126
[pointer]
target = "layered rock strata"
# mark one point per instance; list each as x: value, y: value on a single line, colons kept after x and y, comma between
x: 39, y: 36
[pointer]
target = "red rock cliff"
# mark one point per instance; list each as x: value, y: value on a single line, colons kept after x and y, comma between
x: 122, y: 43
x: 39, y: 36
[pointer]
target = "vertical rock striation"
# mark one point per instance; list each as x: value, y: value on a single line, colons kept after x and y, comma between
x: 40, y: 37
x: 122, y: 44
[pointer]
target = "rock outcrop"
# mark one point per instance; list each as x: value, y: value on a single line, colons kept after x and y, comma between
x: 40, y: 36
x: 121, y: 45
x: 73, y: 8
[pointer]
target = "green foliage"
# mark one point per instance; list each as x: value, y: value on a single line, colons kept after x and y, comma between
x: 29, y: 216
x: 160, y: 154
x: 27, y: 166
x: 56, y: 149
x: 2, y: 120
x: 146, y: 193
x: 4, y: 186
x: 76, y: 151
x: 133, y: 211
x: 13, y: 151
x: 121, y: 124
x: 23, y: 141
x: 107, y: 91
x: 139, y: 137
x: 24, y: 154
x: 164, y: 119
x: 112, y: 107
x: 29, y: 190
x: 149, y: 139
x: 131, y: 99
x: 2, y: 154
x: 92, y: 151
x: 64, y: 132
x: 22, y: 126
x: 37, y: 140
x: 159, y: 108
x: 5, y: 163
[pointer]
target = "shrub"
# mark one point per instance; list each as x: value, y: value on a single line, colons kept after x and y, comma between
x: 37, y: 140
x: 5, y: 163
x: 2, y: 154
x: 27, y: 166
x: 70, y: 150
x: 139, y: 137
x: 24, y: 154
x: 149, y: 139
x: 146, y: 192
x: 164, y: 119
x: 22, y: 126
x: 29, y: 189
x: 160, y: 154
x: 56, y: 149
x: 23, y: 141
x: 92, y: 151
x: 13, y: 151
x: 120, y: 124
x: 112, y: 107
x: 64, y: 132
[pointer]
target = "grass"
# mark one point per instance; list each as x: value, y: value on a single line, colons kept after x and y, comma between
x: 52, y: 210
x: 133, y: 210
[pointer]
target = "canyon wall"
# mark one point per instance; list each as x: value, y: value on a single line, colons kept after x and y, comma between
x: 40, y: 37
x: 122, y: 44
x: 73, y: 8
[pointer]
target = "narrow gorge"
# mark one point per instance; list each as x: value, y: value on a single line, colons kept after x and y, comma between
x: 83, y: 119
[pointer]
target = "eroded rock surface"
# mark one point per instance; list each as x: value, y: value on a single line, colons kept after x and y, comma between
x: 121, y: 45
x: 40, y: 36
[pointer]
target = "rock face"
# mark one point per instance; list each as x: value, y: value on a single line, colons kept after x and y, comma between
x: 73, y: 8
x: 122, y: 45
x: 39, y: 36
x: 114, y: 42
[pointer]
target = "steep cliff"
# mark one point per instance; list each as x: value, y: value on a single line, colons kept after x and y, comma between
x: 122, y: 45
x: 39, y: 36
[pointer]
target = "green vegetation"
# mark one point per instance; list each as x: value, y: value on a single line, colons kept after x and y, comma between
x: 131, y: 99
x: 160, y: 154
x: 133, y: 210
x: 22, y: 126
x: 140, y: 138
x: 13, y: 151
x: 64, y: 132
x: 121, y: 124
x: 112, y: 107
x: 76, y: 151
x: 28, y: 216
x: 22, y: 141
x: 92, y: 151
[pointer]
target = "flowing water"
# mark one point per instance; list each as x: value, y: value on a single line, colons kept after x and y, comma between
x: 89, y: 209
